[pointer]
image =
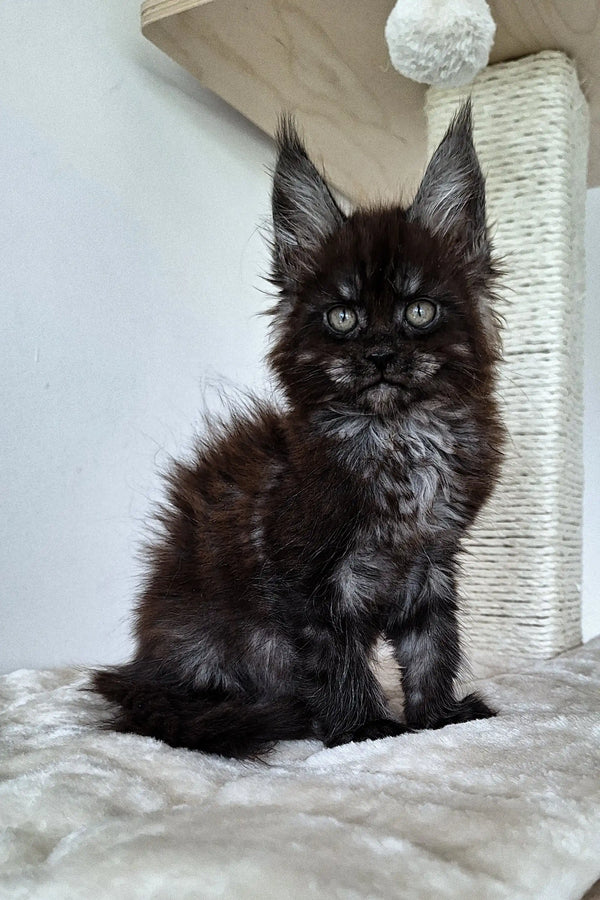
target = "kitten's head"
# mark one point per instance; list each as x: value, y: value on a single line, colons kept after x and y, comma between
x: 384, y: 307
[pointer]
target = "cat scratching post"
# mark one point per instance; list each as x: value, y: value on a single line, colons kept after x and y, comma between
x: 522, y: 578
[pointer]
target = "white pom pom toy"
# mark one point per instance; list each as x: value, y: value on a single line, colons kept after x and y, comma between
x: 442, y: 42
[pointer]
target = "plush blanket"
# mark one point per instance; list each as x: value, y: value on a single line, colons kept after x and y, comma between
x: 502, y: 808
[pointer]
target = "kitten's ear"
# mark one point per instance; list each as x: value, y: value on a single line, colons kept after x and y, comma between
x: 450, y: 201
x: 304, y: 211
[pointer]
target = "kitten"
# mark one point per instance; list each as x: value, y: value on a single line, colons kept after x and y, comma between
x: 295, y: 539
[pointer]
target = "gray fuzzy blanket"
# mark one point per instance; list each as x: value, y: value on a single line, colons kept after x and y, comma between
x: 502, y: 808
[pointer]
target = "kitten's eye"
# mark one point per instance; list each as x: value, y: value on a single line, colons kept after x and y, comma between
x: 420, y: 313
x: 342, y: 319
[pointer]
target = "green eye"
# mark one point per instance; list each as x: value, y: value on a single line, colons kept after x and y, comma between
x: 342, y: 319
x: 420, y: 313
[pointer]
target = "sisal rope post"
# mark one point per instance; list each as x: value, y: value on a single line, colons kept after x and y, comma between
x: 522, y: 570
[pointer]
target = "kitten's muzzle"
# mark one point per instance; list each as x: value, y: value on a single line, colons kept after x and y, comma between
x: 381, y: 356
x: 398, y: 381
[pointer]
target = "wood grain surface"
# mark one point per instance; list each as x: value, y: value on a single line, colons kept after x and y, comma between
x: 327, y: 62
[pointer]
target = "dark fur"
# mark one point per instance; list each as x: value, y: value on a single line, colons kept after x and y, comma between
x: 296, y: 537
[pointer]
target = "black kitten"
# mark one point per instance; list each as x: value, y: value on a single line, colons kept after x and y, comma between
x: 295, y: 538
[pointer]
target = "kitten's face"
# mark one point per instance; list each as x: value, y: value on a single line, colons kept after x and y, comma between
x: 383, y: 308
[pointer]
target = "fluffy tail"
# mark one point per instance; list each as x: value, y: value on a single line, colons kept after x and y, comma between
x: 210, y: 720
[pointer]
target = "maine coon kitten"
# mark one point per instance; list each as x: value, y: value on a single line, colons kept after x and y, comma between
x: 296, y: 537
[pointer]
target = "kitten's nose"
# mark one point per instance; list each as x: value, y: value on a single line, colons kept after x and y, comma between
x: 381, y: 356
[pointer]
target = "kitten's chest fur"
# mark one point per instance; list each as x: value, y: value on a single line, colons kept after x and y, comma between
x: 407, y: 485
x: 406, y: 472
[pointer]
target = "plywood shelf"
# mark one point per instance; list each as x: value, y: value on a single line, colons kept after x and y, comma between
x: 327, y: 61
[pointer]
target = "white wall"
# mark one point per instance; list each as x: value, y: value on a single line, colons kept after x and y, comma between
x: 591, y: 421
x: 130, y: 260
x: 129, y: 281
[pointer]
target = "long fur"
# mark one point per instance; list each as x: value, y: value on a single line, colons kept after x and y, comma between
x: 296, y: 536
x: 210, y: 720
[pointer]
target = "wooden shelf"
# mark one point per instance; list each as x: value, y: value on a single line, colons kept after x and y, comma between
x: 327, y: 61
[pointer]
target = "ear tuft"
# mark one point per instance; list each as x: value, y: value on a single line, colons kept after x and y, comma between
x: 450, y: 201
x: 304, y: 211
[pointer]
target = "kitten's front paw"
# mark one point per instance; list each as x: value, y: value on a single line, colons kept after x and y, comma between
x: 370, y: 731
x: 465, y: 710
